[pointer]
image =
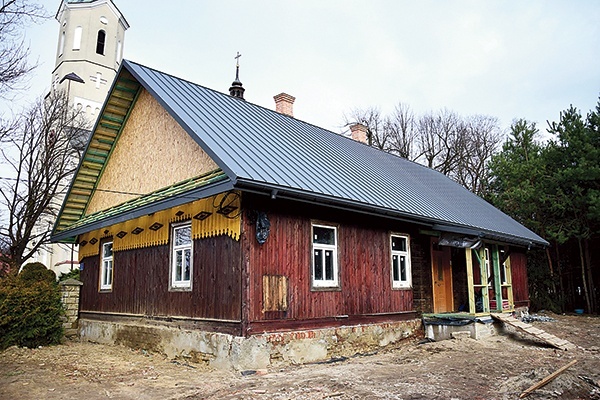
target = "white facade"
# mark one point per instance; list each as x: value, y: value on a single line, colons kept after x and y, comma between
x: 90, y: 47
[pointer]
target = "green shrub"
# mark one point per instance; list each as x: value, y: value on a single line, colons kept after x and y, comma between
x: 30, y: 310
x: 72, y: 274
x: 34, y: 272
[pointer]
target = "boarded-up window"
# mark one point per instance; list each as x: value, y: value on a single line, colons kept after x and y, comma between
x: 275, y: 288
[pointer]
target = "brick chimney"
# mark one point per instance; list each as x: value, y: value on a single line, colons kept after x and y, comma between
x: 358, y: 132
x: 284, y: 104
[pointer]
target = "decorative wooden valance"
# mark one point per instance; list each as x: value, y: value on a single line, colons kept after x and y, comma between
x: 213, y: 216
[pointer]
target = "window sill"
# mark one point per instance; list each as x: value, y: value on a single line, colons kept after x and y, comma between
x: 180, y: 289
x: 325, y: 289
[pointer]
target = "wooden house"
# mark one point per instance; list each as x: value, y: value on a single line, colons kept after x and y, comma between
x: 198, y: 211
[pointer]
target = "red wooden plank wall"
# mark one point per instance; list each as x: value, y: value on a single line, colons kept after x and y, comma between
x: 141, y: 282
x: 518, y: 265
x: 363, y: 259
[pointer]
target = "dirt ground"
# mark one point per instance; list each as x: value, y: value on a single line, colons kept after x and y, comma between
x: 500, y: 367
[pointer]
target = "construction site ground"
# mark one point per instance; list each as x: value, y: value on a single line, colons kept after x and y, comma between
x: 499, y: 367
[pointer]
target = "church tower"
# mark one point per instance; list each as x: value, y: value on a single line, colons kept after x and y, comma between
x: 89, y: 53
x: 88, y: 56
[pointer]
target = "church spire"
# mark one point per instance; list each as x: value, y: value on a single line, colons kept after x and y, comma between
x: 236, y: 89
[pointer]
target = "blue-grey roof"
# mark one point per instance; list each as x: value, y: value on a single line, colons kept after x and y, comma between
x: 262, y: 150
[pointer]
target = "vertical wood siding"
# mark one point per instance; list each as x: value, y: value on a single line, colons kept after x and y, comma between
x: 141, y: 282
x: 518, y: 265
x: 363, y: 260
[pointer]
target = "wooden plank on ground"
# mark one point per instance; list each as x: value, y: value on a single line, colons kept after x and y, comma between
x: 547, y: 379
x: 535, y: 332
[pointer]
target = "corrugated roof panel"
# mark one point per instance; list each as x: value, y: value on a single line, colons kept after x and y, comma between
x: 255, y: 144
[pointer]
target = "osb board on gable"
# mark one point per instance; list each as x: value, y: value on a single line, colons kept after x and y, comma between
x: 152, y: 152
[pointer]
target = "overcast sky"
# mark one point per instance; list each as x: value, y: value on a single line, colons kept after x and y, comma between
x: 509, y: 59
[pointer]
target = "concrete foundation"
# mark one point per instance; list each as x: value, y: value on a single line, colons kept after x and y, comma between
x: 477, y: 329
x: 255, y: 352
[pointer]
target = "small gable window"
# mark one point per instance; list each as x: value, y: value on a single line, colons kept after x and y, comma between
x: 324, y: 257
x: 100, y: 42
x: 401, y: 273
x: 181, y: 256
x: 106, y: 272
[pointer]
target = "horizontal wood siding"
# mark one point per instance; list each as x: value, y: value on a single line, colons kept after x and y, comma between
x: 141, y: 282
x: 518, y: 265
x: 363, y: 259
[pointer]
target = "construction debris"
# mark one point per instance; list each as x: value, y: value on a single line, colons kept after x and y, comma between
x: 535, y: 332
x: 528, y: 318
x: 547, y: 379
x: 590, y: 381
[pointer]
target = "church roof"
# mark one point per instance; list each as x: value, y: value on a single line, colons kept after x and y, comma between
x: 263, y: 151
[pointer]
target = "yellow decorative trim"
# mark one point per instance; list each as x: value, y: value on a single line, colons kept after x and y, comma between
x: 89, y: 249
x: 215, y: 223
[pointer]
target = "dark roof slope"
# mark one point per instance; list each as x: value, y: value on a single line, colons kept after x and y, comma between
x: 262, y: 150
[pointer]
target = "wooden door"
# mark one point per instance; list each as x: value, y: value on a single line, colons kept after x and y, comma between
x: 441, y: 266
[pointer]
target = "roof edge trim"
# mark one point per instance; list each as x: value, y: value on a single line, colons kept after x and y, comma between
x: 67, y: 235
x: 317, y: 198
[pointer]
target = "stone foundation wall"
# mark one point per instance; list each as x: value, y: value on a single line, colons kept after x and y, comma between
x: 255, y: 352
x: 69, y: 291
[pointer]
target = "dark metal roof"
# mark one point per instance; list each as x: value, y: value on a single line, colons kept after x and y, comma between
x: 262, y: 150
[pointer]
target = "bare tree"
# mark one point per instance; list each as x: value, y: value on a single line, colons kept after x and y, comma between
x: 458, y: 147
x: 372, y: 120
x: 440, y: 141
x: 40, y: 152
x: 15, y: 15
x: 401, y: 130
x: 481, y: 139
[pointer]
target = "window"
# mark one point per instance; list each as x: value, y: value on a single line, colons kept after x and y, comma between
x: 106, y: 274
x: 61, y: 45
x: 100, y: 42
x: 324, y: 259
x: 77, y: 38
x: 181, y: 258
x: 488, y: 265
x: 401, y: 274
x: 119, y: 54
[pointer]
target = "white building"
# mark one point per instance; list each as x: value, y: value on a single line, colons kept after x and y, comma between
x: 89, y: 52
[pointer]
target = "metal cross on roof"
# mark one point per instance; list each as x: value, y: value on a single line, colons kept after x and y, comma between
x: 237, y: 59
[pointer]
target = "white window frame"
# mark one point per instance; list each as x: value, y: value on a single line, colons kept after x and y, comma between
x: 61, y: 45
x: 324, y: 283
x: 106, y: 267
x: 400, y: 283
x: 185, y: 284
x: 77, y: 34
x: 488, y: 264
x: 103, y: 48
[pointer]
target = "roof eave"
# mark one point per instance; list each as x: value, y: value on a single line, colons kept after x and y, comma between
x: 276, y: 191
x: 489, y: 235
x: 68, y: 235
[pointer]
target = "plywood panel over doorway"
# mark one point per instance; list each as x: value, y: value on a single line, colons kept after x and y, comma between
x: 442, y: 278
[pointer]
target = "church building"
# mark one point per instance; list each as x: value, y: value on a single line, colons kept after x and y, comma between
x: 89, y: 53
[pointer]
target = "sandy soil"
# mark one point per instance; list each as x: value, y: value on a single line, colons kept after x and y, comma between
x: 500, y: 367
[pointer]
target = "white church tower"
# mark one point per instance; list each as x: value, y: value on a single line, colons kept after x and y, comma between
x: 88, y: 56
x: 89, y: 53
